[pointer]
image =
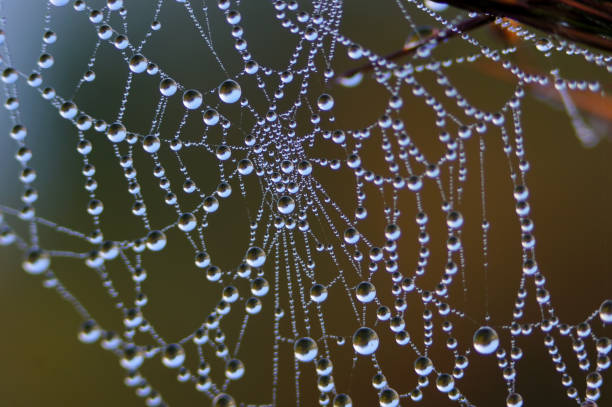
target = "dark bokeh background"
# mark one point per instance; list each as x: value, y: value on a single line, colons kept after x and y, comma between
x: 42, y: 360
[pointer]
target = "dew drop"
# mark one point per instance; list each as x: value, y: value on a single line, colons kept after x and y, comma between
x: 229, y: 91
x: 255, y: 257
x: 192, y: 99
x: 156, y: 240
x: 365, y: 341
x: 486, y: 340
x: 173, y: 356
x: 325, y: 102
x: 305, y: 349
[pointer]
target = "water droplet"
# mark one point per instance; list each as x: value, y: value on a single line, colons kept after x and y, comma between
x: 423, y: 366
x: 234, y: 369
x: 229, y: 91
x: 138, y: 63
x: 255, y: 257
x: 36, y: 262
x: 605, y: 312
x: 156, y: 240
x: 325, y: 102
x: 445, y: 382
x: 305, y: 349
x: 192, y: 99
x: 223, y: 400
x: 90, y: 332
x: 365, y: 292
x: 365, y: 341
x: 173, y: 356
x: 388, y: 398
x: 285, y: 205
x: 167, y: 87
x: 486, y: 340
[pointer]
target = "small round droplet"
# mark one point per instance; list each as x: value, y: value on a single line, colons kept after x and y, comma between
x: 342, y: 400
x: 305, y: 349
x: 90, y: 332
x: 156, y: 240
x: 605, y: 312
x: 365, y: 341
x: 318, y: 293
x: 138, y: 63
x: 486, y: 340
x: 151, y: 144
x: 234, y: 369
x: 192, y: 99
x: 388, y: 398
x: 285, y: 205
x: 365, y: 292
x: 255, y: 257
x: 59, y: 3
x: 223, y: 400
x: 36, y: 262
x: 167, y: 87
x: 173, y: 356
x: 229, y: 91
x: 445, y: 382
x: 187, y: 222
x: 514, y: 400
x: 423, y: 366
x: 325, y: 102
x: 210, y: 117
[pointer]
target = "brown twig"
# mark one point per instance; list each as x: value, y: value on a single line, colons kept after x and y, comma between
x: 436, y: 37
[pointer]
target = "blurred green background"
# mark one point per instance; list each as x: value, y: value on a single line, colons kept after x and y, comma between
x: 42, y: 360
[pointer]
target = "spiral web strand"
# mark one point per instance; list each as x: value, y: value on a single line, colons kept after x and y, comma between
x: 264, y: 136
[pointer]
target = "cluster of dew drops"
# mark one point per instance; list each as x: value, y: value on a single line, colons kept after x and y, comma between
x: 274, y: 151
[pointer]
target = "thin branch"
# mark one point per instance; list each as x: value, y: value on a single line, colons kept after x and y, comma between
x: 435, y: 37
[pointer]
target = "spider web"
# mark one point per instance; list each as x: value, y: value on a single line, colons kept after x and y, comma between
x: 325, y: 243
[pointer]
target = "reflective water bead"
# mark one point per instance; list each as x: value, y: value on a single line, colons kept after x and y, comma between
x: 116, y: 132
x: 485, y: 340
x: 305, y: 349
x: 173, y: 356
x: 388, y: 398
x: 156, y: 240
x: 365, y: 292
x: 342, y: 400
x: 325, y: 102
x: 423, y: 366
x: 365, y: 341
x: 351, y: 236
x: 229, y: 91
x: 192, y: 99
x: 318, y: 293
x: 151, y: 144
x: 138, y: 63
x: 445, y: 382
x: 36, y: 261
x: 90, y: 332
x: 167, y: 87
x: 223, y: 400
x: 210, y: 117
x: 68, y: 110
x: 285, y: 205
x: 605, y: 312
x: 234, y: 369
x: 255, y: 257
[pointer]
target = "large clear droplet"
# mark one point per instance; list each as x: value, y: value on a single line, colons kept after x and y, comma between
x: 255, y: 257
x: 305, y: 349
x: 229, y: 91
x: 173, y: 356
x: 486, y: 340
x: 365, y: 341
